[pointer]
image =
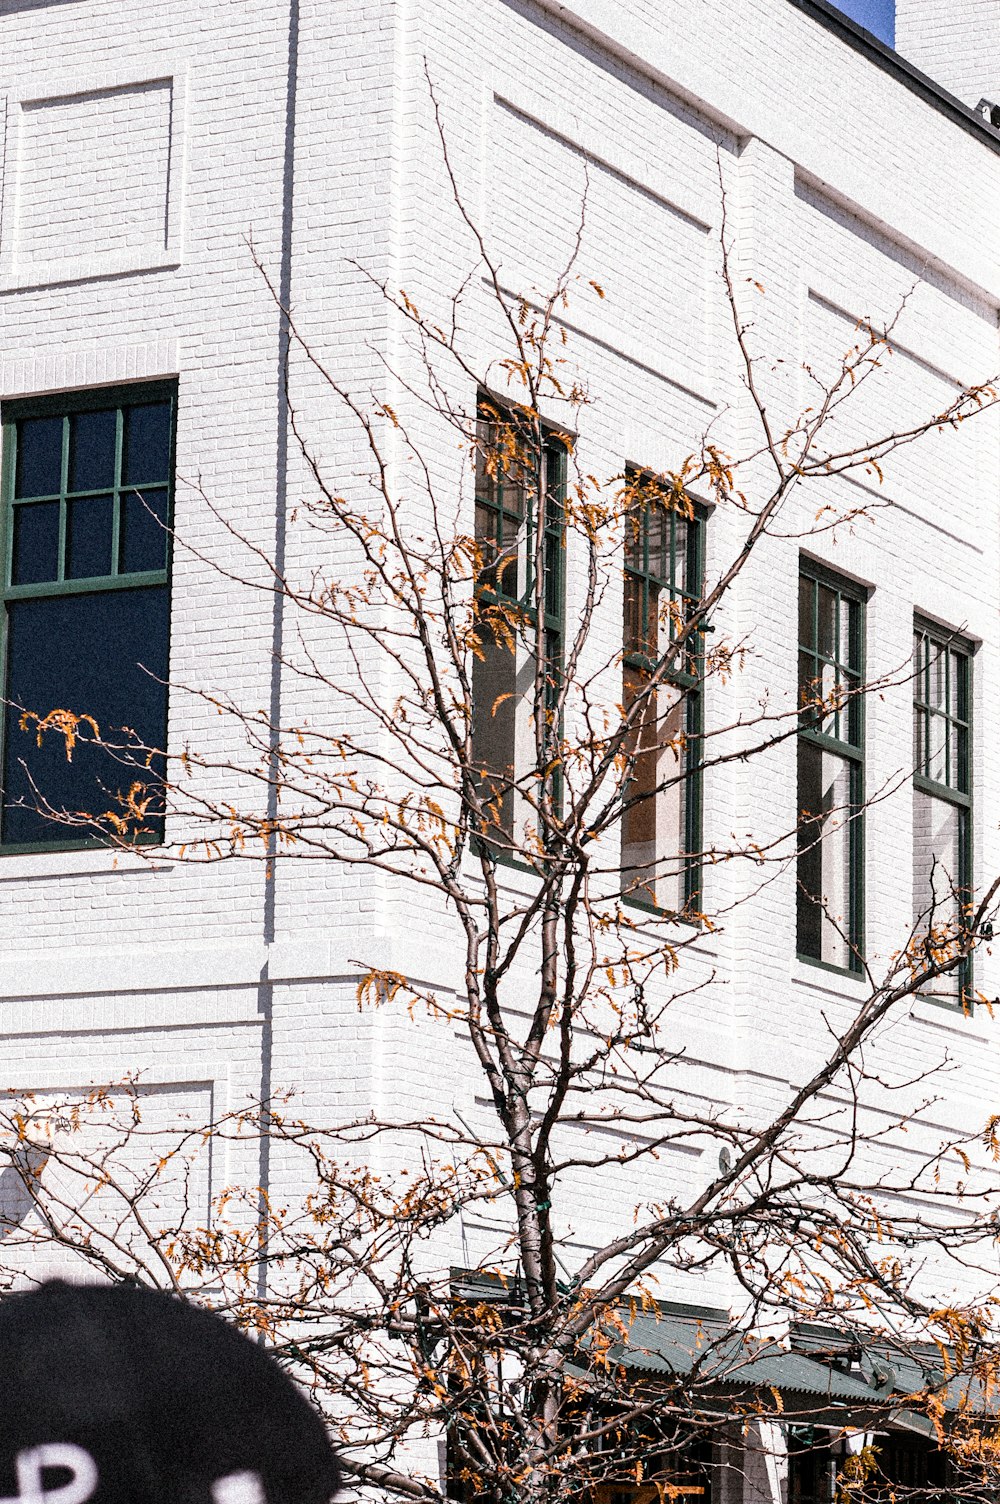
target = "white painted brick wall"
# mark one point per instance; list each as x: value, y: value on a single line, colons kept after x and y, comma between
x: 93, y: 172
x: 955, y: 42
x: 110, y: 967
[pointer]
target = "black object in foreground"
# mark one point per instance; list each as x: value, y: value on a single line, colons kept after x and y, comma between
x: 119, y: 1395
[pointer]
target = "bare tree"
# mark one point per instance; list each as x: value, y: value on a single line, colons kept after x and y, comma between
x: 525, y: 773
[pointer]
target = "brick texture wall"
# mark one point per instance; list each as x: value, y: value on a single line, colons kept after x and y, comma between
x: 848, y: 199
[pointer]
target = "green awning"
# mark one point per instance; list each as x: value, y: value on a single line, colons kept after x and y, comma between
x: 826, y: 1368
x: 820, y: 1370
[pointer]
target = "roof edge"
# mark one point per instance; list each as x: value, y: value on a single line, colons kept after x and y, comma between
x: 890, y: 61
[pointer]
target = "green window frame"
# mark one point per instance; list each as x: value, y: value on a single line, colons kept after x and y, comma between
x: 86, y: 507
x: 663, y: 584
x: 831, y: 771
x: 942, y: 789
x: 508, y: 477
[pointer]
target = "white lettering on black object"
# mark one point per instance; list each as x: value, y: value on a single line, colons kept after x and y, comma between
x: 237, y: 1488
x: 30, y: 1464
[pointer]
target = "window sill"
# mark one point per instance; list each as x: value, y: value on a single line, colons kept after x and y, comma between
x: 808, y: 964
x: 657, y: 915
x: 695, y: 938
x: 95, y: 861
x: 936, y: 790
x: 91, y: 268
x: 503, y: 861
x: 517, y: 878
x: 944, y: 1015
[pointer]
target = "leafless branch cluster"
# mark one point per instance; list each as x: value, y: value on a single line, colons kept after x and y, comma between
x: 468, y: 737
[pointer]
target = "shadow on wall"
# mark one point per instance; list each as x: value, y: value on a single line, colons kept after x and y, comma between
x: 11, y: 7
x: 15, y: 1199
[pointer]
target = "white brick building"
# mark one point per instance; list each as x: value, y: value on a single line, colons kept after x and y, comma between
x: 149, y: 157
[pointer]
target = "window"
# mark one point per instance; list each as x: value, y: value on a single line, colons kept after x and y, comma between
x: 829, y: 910
x: 942, y: 794
x: 87, y: 490
x: 901, y: 1464
x: 517, y: 613
x: 660, y: 828
x: 681, y: 1474
x: 812, y: 1465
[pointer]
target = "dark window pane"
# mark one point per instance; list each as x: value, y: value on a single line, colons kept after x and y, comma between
x: 88, y: 537
x: 498, y: 534
x: 36, y: 543
x: 659, y: 557
x: 812, y: 1476
x: 634, y: 637
x: 681, y: 529
x: 919, y: 740
x: 654, y: 820
x: 806, y: 623
x: 938, y: 883
x: 909, y: 1464
x: 147, y: 444
x: 553, y: 573
x: 960, y: 764
x: 143, y: 525
x: 92, y: 451
x: 849, y: 646
x: 919, y: 650
x: 810, y: 680
x: 937, y: 750
x: 494, y: 724
x: 938, y: 677
x: 827, y: 620
x: 961, y: 686
x: 39, y: 457
x: 634, y: 536
x: 824, y: 869
x: 88, y: 654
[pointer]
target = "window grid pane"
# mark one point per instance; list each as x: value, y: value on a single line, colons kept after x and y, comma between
x: 660, y: 830
x: 942, y: 804
x: 82, y: 446
x: 941, y: 712
x: 830, y: 792
x: 85, y: 630
x: 500, y: 512
x: 830, y: 660
x: 827, y: 799
x: 940, y: 857
x: 661, y: 571
x: 506, y: 523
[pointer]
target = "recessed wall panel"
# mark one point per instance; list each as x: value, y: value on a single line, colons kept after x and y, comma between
x: 94, y: 173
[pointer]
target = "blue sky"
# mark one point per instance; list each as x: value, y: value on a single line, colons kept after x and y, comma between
x: 877, y: 15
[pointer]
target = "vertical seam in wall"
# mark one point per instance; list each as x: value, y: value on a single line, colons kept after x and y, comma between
x: 4, y: 119
x: 266, y: 994
x: 281, y: 455
x: 171, y: 152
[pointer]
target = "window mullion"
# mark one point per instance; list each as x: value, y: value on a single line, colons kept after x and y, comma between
x: 814, y: 643
x: 836, y: 665
x: 10, y: 437
x: 832, y: 744
x: 856, y: 859
x: 116, y: 503
x: 63, y: 488
x: 947, y: 716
